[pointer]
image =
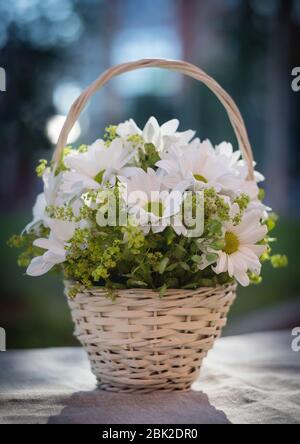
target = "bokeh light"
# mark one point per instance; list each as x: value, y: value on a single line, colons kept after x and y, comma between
x: 54, y: 126
x: 65, y: 93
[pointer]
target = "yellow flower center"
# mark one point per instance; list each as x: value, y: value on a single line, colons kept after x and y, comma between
x: 99, y: 177
x: 155, y: 208
x: 232, y: 243
x: 200, y: 178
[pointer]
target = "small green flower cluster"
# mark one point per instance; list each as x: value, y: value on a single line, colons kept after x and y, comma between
x: 91, y: 256
x: 41, y: 167
x: 242, y: 201
x: 276, y: 260
x: 24, y: 242
x: 110, y: 134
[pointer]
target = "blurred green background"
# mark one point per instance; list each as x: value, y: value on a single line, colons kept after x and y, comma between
x: 52, y: 49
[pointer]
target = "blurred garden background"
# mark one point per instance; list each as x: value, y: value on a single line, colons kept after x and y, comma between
x: 52, y: 49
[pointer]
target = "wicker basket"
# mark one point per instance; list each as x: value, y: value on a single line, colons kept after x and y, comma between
x: 143, y: 342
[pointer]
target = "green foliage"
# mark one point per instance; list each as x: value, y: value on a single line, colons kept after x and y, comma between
x: 271, y: 221
x: 276, y: 260
x: 279, y: 261
x: 24, y: 242
x: 254, y: 278
x: 243, y: 201
x: 61, y: 213
x: 123, y: 256
x: 61, y: 166
x: 215, y: 206
x: 82, y: 148
x: 41, y: 167
x: 148, y: 156
x: 261, y: 194
x: 91, y: 256
x: 110, y: 134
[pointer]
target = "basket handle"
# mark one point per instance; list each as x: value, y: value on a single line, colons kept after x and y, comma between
x: 174, y: 65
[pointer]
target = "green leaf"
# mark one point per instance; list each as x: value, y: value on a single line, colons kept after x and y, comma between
x: 170, y: 236
x: 179, y: 252
x: 136, y: 283
x: 163, y: 265
x: 206, y: 282
x: 172, y: 267
x: 218, y: 245
x: 211, y: 257
x: 162, y: 291
x: 172, y: 282
x: 215, y: 227
x: 196, y: 258
x: 191, y: 286
x: 185, y: 266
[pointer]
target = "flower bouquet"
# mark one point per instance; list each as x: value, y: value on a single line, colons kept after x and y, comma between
x: 152, y: 229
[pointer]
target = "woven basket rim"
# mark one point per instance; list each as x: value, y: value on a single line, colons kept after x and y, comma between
x: 149, y: 291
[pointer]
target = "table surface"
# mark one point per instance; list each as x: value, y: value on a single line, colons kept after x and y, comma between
x: 245, y: 379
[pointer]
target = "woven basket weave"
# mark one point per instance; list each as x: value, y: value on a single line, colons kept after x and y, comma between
x: 142, y: 342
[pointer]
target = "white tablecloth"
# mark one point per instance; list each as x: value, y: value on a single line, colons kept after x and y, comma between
x: 245, y: 379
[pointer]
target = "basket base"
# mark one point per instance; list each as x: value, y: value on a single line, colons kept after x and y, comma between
x: 168, y: 382
x: 108, y: 387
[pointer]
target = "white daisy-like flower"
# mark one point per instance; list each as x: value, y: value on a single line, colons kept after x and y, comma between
x: 197, y: 167
x: 249, y: 187
x: 149, y: 203
x: 38, y: 212
x: 128, y: 128
x: 241, y: 253
x: 90, y: 170
x: 162, y: 137
x: 61, y: 232
x: 50, y: 196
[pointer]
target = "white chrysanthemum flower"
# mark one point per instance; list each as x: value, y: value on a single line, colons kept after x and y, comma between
x: 149, y: 203
x: 162, y: 137
x: 236, y: 162
x: 61, y: 232
x: 50, y: 196
x: 197, y: 167
x: 244, y: 185
x: 38, y: 212
x: 90, y: 170
x: 241, y: 253
x: 128, y: 128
